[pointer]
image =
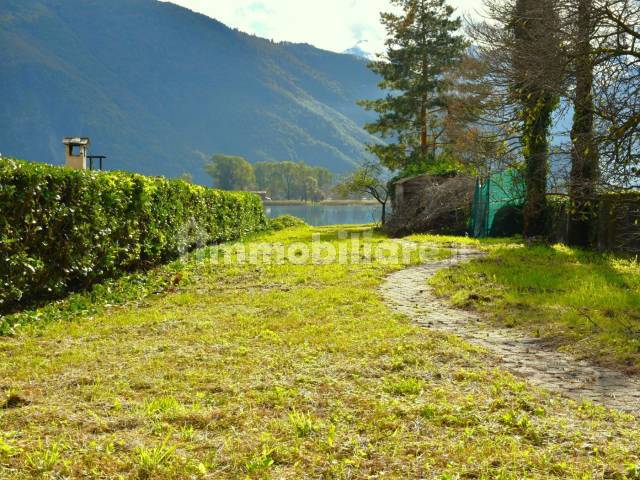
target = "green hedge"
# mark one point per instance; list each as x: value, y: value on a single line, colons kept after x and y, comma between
x: 63, y: 230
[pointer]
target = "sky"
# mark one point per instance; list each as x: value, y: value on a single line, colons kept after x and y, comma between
x: 334, y: 25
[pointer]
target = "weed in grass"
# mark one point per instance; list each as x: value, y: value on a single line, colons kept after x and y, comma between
x: 260, y: 462
x: 151, y: 460
x: 331, y: 434
x: 450, y: 416
x: 429, y: 412
x: 44, y: 459
x: 7, y: 450
x: 401, y: 362
x: 516, y: 420
x: 464, y: 375
x: 520, y: 422
x: 589, y: 409
x: 187, y: 432
x: 405, y: 386
x: 162, y: 406
x: 397, y: 364
x: 303, y: 424
x: 117, y: 405
x: 560, y: 469
x: 278, y: 396
x: 633, y: 471
x: 202, y: 468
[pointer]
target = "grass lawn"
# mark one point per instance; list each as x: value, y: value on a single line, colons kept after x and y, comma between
x: 583, y: 302
x: 282, y: 371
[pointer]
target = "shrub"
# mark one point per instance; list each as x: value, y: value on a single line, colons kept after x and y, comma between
x: 63, y: 230
x: 285, y: 221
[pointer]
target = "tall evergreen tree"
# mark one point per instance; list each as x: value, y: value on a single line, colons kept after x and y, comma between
x: 422, y: 45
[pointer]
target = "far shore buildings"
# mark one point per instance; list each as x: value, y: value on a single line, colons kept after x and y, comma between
x: 263, y: 195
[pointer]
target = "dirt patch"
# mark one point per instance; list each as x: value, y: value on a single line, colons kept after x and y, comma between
x: 408, y: 292
x: 15, y: 401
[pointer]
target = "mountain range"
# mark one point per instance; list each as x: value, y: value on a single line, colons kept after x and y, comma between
x: 159, y: 89
x: 360, y: 50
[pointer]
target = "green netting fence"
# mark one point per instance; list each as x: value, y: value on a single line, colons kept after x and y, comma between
x: 497, y: 205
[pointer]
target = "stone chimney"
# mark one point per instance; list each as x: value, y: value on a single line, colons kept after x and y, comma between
x: 76, y: 152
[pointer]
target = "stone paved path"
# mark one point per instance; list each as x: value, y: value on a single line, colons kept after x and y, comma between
x: 408, y: 292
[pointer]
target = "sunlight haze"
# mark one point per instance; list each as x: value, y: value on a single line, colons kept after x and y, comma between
x: 332, y: 24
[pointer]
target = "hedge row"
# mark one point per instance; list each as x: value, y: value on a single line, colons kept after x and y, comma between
x: 62, y: 230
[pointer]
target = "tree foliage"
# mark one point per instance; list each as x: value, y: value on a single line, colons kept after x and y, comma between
x: 231, y: 173
x: 526, y: 68
x: 616, y: 46
x: 281, y: 180
x: 293, y: 181
x: 422, y: 46
x: 368, y: 180
x: 537, y: 68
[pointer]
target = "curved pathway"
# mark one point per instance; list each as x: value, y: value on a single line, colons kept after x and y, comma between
x: 408, y: 292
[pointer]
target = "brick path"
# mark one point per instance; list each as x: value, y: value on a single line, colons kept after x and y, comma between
x: 408, y: 292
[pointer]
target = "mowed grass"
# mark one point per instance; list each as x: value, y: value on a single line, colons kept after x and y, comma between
x: 583, y: 302
x: 284, y: 371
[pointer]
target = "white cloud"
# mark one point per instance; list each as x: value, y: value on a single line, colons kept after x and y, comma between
x: 330, y: 24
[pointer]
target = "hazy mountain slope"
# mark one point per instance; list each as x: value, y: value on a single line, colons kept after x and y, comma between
x: 359, y: 50
x: 157, y: 86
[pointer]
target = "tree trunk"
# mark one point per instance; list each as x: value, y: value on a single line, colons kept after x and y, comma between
x: 533, y: 59
x: 424, y: 137
x: 384, y: 213
x: 288, y: 182
x: 537, y: 166
x: 584, y: 155
x: 424, y: 133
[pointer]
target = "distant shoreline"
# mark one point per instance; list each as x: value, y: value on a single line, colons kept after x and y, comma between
x: 275, y: 203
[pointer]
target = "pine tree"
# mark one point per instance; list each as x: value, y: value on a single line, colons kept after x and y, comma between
x: 422, y: 46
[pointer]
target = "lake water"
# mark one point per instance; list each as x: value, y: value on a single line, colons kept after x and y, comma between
x: 320, y: 215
